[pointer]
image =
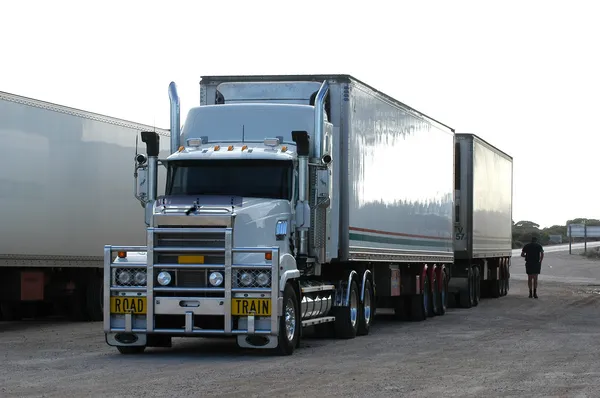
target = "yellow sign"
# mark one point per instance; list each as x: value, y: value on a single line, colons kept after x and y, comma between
x: 247, y: 306
x: 191, y: 259
x: 124, y: 305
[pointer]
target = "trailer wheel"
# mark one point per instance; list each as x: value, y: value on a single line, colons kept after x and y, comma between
x: 434, y: 301
x: 131, y: 350
x: 476, y: 286
x: 443, y: 296
x: 366, y: 314
x: 420, y: 303
x: 289, y: 322
x: 465, y: 298
x: 346, y: 318
x: 94, y: 298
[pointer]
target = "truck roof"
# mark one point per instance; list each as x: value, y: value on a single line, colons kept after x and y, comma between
x: 316, y: 78
x: 19, y: 99
x: 478, y: 138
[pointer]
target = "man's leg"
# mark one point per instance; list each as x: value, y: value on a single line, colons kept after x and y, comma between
x: 535, y: 278
x: 529, y: 282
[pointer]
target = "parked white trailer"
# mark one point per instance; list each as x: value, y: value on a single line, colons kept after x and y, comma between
x: 483, y: 220
x: 291, y: 201
x: 65, y: 191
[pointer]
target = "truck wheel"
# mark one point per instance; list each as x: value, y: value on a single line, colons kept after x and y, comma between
x: 289, y: 322
x: 346, y: 318
x: 131, y: 350
x: 365, y: 317
x: 476, y: 286
x: 443, y: 296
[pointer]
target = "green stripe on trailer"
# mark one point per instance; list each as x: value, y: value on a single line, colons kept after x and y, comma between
x: 399, y: 239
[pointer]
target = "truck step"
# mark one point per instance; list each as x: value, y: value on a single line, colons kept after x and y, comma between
x: 317, y: 321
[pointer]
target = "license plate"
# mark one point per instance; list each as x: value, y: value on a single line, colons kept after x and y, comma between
x: 124, y: 305
x: 247, y: 306
x: 190, y: 259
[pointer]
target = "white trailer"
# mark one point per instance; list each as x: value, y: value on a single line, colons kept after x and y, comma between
x: 65, y: 192
x: 483, y: 220
x: 291, y: 201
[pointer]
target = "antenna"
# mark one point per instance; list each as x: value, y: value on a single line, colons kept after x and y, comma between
x: 243, y: 132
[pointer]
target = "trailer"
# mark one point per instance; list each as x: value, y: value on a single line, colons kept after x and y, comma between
x: 64, y: 191
x: 290, y: 202
x: 483, y: 220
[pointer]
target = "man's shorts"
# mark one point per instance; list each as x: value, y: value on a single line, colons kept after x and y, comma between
x: 533, y: 269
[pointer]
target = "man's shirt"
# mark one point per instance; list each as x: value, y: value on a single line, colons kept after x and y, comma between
x: 533, y: 252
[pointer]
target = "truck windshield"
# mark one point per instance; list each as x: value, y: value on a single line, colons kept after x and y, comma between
x: 258, y: 178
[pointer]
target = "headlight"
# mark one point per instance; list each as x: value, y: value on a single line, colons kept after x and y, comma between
x: 124, y: 278
x: 164, y: 278
x: 263, y: 279
x: 246, y: 279
x: 140, y: 278
x: 215, y: 278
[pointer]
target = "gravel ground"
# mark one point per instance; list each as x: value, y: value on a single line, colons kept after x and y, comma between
x: 512, y: 346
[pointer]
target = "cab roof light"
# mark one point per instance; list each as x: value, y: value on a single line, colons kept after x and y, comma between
x: 244, y: 147
x: 194, y: 142
x: 230, y: 148
x: 283, y: 148
x: 181, y: 148
x: 273, y: 141
x: 217, y: 147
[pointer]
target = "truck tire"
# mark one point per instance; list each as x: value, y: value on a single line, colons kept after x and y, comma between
x: 419, y: 303
x: 131, y: 350
x: 289, y: 322
x: 346, y: 318
x: 365, y: 317
x: 476, y: 286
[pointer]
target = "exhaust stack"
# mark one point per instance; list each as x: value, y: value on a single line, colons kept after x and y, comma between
x: 319, y: 119
x: 175, y: 122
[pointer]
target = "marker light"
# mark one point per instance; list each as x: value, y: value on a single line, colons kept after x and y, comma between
x: 181, y: 148
x: 230, y: 148
x: 244, y: 147
x: 271, y: 141
x: 283, y: 148
x: 122, y: 254
x: 195, y: 142
x: 217, y: 147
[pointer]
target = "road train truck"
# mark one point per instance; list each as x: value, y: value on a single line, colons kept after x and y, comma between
x: 297, y: 201
x: 64, y: 191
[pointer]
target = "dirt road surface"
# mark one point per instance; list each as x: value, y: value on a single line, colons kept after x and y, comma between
x: 512, y: 346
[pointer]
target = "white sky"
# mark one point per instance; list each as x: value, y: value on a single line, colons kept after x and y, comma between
x: 524, y: 75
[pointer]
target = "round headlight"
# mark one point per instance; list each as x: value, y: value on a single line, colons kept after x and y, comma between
x: 215, y: 278
x: 246, y: 279
x: 263, y: 279
x: 140, y: 278
x: 164, y: 278
x: 124, y: 277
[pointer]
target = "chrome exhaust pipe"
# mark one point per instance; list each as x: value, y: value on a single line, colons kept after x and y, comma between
x: 319, y: 119
x: 175, y: 122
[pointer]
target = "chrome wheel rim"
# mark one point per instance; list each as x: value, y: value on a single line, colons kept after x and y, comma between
x: 367, y: 306
x: 290, y: 320
x: 353, y: 308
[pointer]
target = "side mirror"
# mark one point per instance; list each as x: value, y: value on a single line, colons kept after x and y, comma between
x: 140, y: 176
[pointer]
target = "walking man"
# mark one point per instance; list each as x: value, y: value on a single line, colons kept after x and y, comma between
x: 534, y: 254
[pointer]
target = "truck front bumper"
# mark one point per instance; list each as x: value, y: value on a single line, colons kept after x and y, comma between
x: 133, y: 312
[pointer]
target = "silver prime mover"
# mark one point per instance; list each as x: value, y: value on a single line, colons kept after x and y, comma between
x: 290, y: 201
x: 65, y: 192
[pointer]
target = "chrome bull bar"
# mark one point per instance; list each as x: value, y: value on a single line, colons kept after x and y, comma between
x: 221, y: 305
